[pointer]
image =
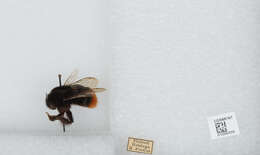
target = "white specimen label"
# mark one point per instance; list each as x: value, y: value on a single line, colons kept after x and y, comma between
x: 223, y: 125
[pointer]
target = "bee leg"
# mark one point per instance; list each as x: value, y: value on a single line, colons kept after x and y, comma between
x: 64, y: 120
x: 69, y: 115
x: 53, y: 117
x: 61, y: 118
x: 68, y: 120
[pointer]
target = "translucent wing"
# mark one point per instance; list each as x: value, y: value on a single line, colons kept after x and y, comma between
x: 72, y: 78
x: 87, y: 94
x: 78, y: 91
x: 97, y: 90
x: 87, y: 82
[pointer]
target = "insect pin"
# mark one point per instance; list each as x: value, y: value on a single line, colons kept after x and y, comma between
x: 81, y: 93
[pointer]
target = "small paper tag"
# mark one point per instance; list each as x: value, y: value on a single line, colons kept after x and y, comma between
x: 223, y: 125
x: 140, y: 145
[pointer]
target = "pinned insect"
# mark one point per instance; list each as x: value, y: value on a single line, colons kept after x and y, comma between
x: 81, y: 93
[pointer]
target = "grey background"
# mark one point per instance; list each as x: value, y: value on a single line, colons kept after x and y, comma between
x: 177, y: 62
x: 38, y: 40
x: 174, y: 63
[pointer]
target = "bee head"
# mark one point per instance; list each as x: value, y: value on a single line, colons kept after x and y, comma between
x: 50, y: 101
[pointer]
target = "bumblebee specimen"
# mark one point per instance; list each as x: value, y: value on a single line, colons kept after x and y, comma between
x: 81, y: 93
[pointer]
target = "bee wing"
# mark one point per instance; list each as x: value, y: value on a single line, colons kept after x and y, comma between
x: 97, y: 90
x: 79, y: 92
x: 90, y: 82
x: 88, y: 94
x: 72, y: 78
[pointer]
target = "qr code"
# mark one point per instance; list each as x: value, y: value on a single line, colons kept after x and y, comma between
x: 221, y: 127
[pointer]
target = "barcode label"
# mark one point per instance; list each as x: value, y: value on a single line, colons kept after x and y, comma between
x: 223, y: 125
